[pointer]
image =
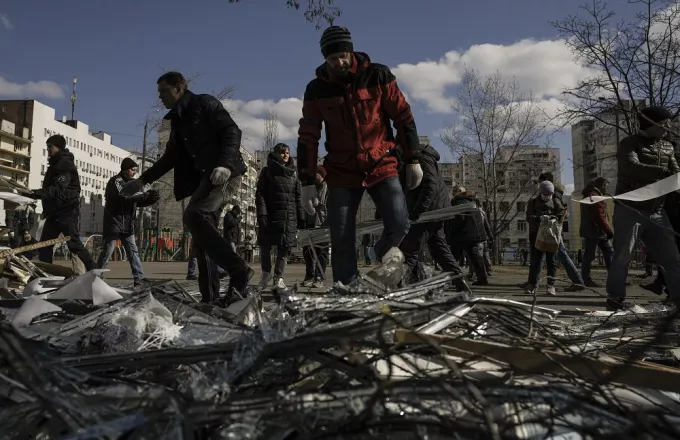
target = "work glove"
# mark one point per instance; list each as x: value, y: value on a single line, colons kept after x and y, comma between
x: 414, y: 175
x: 154, y: 196
x: 302, y: 224
x: 27, y: 236
x: 413, y: 216
x: 131, y: 188
x: 35, y: 194
x: 220, y: 176
x: 610, y: 235
x: 310, y: 199
x: 11, y: 234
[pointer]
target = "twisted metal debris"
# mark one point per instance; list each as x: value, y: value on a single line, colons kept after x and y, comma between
x: 360, y: 361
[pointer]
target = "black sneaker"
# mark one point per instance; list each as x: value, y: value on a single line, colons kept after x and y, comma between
x: 575, y: 288
x: 654, y: 287
x: 142, y: 281
x: 191, y: 277
x: 483, y: 282
x: 238, y: 284
x: 618, y: 304
x: 592, y: 284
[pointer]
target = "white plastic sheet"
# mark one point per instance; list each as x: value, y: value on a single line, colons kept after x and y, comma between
x: 32, y: 308
x: 649, y: 192
x: 88, y: 286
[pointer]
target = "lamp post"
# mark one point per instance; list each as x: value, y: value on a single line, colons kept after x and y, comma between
x: 74, y: 98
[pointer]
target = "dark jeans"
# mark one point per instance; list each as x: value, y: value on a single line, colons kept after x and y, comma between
x: 67, y: 224
x: 316, y: 260
x: 591, y: 244
x: 343, y: 204
x: 201, y: 218
x: 475, y: 256
x: 367, y: 255
x: 130, y: 246
x: 193, y: 261
x: 281, y: 259
x: 433, y: 235
x: 536, y: 262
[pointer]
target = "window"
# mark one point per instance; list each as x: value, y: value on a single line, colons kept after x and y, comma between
x: 42, y: 170
x: 522, y: 243
x: 521, y: 225
x: 521, y: 206
x: 44, y: 152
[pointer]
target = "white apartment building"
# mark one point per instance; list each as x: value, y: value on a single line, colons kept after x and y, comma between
x: 96, y: 158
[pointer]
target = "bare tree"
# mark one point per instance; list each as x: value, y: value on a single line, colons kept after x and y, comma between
x: 495, y: 135
x: 319, y: 12
x: 631, y: 63
x: 271, y: 131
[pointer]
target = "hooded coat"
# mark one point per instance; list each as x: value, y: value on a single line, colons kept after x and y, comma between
x: 468, y: 227
x: 120, y: 212
x: 594, y: 218
x: 431, y: 194
x: 278, y: 203
x: 232, y: 230
x: 60, y: 192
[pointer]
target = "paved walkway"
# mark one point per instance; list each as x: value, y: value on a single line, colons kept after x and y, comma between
x: 503, y: 284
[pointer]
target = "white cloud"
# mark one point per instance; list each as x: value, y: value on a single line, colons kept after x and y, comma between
x: 251, y: 117
x: 4, y: 22
x: 541, y: 67
x: 31, y: 89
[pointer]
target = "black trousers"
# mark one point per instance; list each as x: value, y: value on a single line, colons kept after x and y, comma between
x: 433, y: 235
x: 67, y: 224
x: 201, y: 217
x: 315, y: 268
x: 475, y: 255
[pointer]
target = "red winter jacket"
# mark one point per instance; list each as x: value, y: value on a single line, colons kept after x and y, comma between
x: 359, y: 138
x: 594, y: 218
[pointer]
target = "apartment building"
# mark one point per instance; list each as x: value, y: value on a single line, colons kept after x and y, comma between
x: 30, y: 123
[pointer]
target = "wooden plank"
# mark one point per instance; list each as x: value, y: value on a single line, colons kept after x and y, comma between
x: 546, y: 361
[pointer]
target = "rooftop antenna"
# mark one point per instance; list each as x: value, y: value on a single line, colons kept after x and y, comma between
x: 74, y: 97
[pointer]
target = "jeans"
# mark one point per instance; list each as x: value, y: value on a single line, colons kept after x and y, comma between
x: 67, y: 224
x: 201, y: 218
x: 656, y: 232
x: 281, y: 259
x: 130, y: 246
x: 316, y: 260
x: 432, y: 235
x: 487, y: 257
x: 569, y: 267
x: 536, y: 263
x: 367, y: 255
x: 193, y: 261
x: 475, y: 257
x: 343, y: 204
x: 589, y: 254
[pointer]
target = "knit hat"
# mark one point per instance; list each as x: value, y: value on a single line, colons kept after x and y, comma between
x: 546, y: 188
x: 57, y: 140
x: 320, y: 170
x: 649, y: 115
x: 336, y: 39
x: 127, y: 164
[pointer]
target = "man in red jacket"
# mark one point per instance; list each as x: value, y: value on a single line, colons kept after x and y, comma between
x: 595, y: 229
x: 355, y: 99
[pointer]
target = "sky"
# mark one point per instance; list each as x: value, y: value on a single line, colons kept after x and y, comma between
x: 269, y: 53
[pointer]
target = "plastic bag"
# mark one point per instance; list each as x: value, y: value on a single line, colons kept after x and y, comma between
x: 548, y: 237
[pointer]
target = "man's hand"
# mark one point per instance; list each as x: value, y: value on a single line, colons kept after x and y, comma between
x: 414, y: 175
x: 220, y: 176
x: 610, y: 235
x: 11, y: 234
x: 131, y: 188
x: 35, y: 194
x: 310, y: 199
x: 413, y: 217
x: 27, y: 236
x: 154, y: 196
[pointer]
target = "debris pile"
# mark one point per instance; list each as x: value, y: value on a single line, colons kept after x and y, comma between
x: 360, y: 361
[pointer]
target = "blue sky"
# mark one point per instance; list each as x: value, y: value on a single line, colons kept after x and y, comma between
x: 118, y: 49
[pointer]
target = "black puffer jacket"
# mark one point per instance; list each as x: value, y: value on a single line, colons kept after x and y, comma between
x: 120, y: 212
x: 642, y: 161
x: 278, y: 203
x: 203, y: 136
x: 467, y: 227
x: 60, y: 192
x: 431, y: 194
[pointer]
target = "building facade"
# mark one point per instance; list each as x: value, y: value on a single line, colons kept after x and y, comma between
x: 95, y: 156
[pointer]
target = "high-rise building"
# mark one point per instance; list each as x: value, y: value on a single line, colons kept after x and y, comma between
x: 26, y: 125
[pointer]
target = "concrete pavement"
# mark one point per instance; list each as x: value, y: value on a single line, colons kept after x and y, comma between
x: 503, y: 284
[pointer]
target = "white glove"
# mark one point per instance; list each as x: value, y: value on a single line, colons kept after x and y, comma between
x: 310, y: 199
x: 220, y: 176
x: 131, y: 188
x: 414, y: 175
x: 11, y: 235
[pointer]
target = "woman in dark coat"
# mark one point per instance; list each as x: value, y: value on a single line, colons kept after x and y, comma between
x: 279, y: 212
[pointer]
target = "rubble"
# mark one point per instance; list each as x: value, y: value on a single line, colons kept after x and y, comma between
x: 80, y: 359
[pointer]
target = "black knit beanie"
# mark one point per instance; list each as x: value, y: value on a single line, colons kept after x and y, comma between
x: 57, y: 140
x: 649, y: 115
x: 336, y: 39
x: 127, y: 164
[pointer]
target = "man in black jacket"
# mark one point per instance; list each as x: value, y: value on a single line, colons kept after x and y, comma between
x: 232, y: 231
x: 60, y: 196
x: 204, y: 150
x: 430, y: 195
x: 120, y: 213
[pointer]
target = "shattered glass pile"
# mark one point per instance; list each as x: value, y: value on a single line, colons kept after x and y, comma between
x: 87, y: 361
